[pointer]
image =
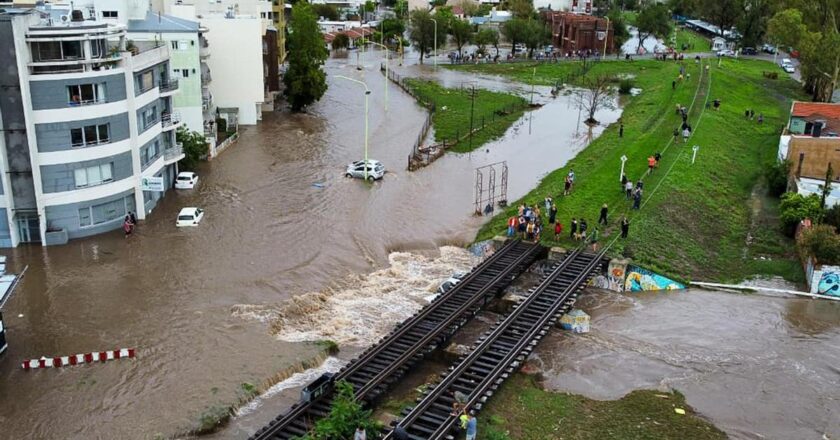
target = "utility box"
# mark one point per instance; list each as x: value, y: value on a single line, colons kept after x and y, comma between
x: 577, y: 321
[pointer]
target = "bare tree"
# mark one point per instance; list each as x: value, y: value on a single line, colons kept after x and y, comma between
x: 594, y: 94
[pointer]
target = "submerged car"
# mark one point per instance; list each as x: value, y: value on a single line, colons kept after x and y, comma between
x: 451, y: 282
x: 186, y: 180
x: 189, y: 217
x: 375, y: 169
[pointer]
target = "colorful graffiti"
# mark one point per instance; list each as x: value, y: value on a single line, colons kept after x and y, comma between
x: 640, y: 279
x: 613, y: 279
x: 829, y: 284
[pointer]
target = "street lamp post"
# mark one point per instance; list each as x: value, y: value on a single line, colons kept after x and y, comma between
x: 435, y: 53
x: 385, y: 48
x: 623, y: 159
x: 367, y: 92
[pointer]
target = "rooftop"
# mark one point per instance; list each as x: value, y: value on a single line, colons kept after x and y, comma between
x: 162, y: 23
x: 820, y: 110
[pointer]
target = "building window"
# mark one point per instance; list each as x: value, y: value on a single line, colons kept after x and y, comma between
x: 83, y: 94
x: 149, y: 117
x: 95, y: 175
x: 174, y: 45
x: 84, y: 217
x: 149, y: 153
x: 105, y: 212
x: 89, y: 135
x: 185, y: 73
x: 146, y: 81
x: 109, y: 14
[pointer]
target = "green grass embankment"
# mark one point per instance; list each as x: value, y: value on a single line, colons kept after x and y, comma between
x: 693, y: 41
x: 494, y: 111
x: 522, y: 410
x: 696, y: 224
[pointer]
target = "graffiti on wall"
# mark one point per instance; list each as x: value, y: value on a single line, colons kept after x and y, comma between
x: 829, y: 284
x: 614, y: 278
x: 640, y: 279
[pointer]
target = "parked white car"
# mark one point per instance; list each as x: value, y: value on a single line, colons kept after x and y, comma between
x: 375, y: 169
x: 789, y: 68
x: 189, y: 217
x: 186, y: 180
x: 726, y: 53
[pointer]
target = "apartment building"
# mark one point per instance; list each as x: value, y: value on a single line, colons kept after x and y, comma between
x: 87, y: 126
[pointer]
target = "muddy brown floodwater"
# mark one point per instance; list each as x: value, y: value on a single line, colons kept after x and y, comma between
x: 183, y: 297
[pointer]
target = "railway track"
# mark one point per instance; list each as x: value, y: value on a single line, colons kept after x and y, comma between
x: 385, y: 362
x: 500, y: 350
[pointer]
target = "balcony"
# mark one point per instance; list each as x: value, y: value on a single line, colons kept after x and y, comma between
x: 170, y: 120
x: 168, y: 87
x: 207, y: 102
x: 173, y: 154
x: 203, y: 48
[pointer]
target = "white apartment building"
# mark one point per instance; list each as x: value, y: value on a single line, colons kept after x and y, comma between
x: 87, y: 126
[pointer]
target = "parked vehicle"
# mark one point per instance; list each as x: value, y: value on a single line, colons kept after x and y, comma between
x: 186, y: 180
x: 375, y: 170
x: 768, y: 48
x: 189, y: 217
x: 789, y: 68
x: 749, y: 51
x: 726, y: 53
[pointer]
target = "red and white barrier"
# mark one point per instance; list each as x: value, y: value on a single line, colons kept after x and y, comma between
x: 77, y: 359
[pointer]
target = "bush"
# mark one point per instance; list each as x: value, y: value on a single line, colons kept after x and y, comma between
x: 345, y: 416
x: 821, y: 242
x: 777, y: 178
x: 221, y: 124
x: 624, y: 86
x: 796, y: 207
x: 832, y: 216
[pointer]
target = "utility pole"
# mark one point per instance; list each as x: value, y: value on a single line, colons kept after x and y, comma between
x: 435, y: 55
x: 472, y: 111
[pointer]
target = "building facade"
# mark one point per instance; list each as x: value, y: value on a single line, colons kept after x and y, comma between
x: 572, y: 32
x: 85, y: 117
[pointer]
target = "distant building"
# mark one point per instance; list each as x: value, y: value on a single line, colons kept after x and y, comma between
x: 572, y: 32
x: 85, y: 121
x: 811, y: 143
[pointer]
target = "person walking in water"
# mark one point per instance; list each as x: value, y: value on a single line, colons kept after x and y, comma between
x: 625, y: 226
x: 128, y: 227
x: 360, y: 434
x: 603, y: 217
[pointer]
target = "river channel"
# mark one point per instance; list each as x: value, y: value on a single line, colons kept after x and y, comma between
x: 282, y: 222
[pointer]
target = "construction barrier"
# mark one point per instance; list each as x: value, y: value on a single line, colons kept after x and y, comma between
x: 77, y: 359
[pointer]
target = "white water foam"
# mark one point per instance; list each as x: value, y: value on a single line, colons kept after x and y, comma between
x: 330, y: 365
x: 367, y: 306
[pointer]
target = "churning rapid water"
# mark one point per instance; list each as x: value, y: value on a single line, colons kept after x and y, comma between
x: 365, y: 307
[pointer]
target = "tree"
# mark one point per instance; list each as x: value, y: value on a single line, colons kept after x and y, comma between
x: 487, y: 37
x: 653, y: 20
x: 401, y: 8
x: 195, y: 147
x: 795, y: 207
x: 620, y: 32
x: 685, y: 8
x: 515, y: 31
x: 393, y: 28
x: 821, y: 242
x: 594, y: 94
x: 305, y: 79
x: 341, y: 41
x: 469, y: 7
x: 329, y: 12
x: 535, y: 36
x: 786, y: 28
x: 521, y: 8
x: 422, y: 32
x: 346, y: 414
x: 461, y: 32
x: 721, y: 13
x: 753, y: 22
x: 825, y: 188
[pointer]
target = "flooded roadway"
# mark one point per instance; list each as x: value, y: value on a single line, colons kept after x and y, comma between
x: 198, y: 304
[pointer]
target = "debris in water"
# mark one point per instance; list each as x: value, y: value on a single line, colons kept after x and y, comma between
x: 318, y: 185
x: 679, y: 411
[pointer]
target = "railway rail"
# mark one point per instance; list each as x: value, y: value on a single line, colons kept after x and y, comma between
x: 500, y: 350
x: 385, y: 362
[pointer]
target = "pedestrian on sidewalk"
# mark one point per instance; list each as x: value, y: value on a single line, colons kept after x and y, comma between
x: 472, y: 426
x: 602, y: 219
x: 625, y: 226
x: 552, y: 214
x: 360, y: 434
x: 594, y: 240
x: 628, y: 189
x: 573, y: 229
x: 558, y: 230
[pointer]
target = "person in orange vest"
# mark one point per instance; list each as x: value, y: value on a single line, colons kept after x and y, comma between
x: 651, y: 164
x: 512, y: 222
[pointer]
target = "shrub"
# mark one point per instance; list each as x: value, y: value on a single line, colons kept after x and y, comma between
x: 624, y: 86
x: 345, y: 415
x: 796, y: 207
x: 777, y: 178
x: 821, y: 242
x: 832, y: 216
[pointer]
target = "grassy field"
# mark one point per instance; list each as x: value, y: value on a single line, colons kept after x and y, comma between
x: 451, y: 120
x: 705, y: 221
x: 521, y: 410
x: 693, y: 41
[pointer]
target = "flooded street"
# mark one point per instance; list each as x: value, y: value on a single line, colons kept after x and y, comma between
x: 758, y: 367
x: 202, y: 306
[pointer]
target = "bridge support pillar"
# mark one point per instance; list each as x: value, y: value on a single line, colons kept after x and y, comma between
x: 556, y: 253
